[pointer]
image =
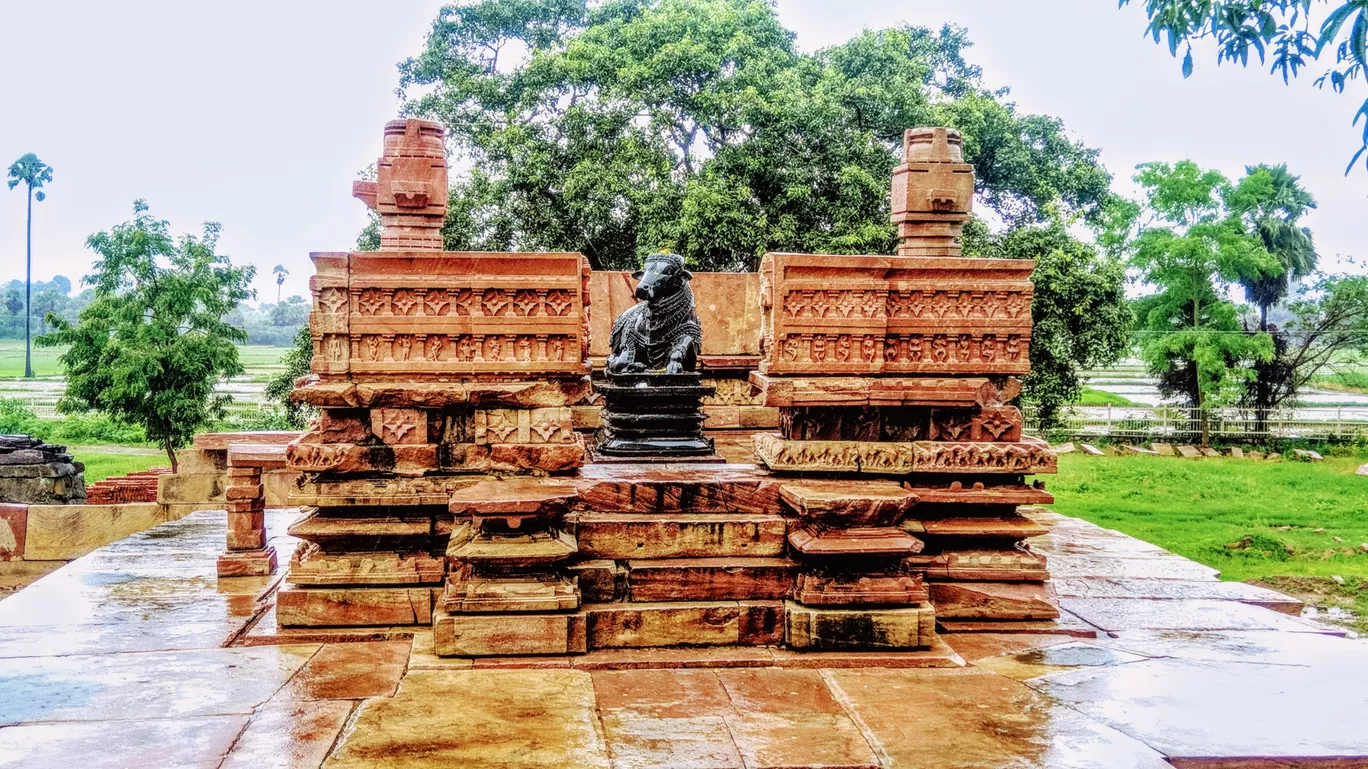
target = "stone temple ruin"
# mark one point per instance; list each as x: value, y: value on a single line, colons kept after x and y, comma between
x: 450, y: 479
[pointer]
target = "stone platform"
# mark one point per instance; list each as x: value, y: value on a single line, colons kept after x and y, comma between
x: 136, y: 655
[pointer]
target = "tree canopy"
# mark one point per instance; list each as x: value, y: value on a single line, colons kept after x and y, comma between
x: 1187, y: 243
x: 1280, y: 30
x: 153, y: 343
x: 1081, y: 319
x: 622, y: 127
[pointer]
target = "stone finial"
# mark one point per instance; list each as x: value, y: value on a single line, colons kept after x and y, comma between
x: 410, y: 190
x: 933, y: 193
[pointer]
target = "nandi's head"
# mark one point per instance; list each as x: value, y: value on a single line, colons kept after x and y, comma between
x: 664, y: 275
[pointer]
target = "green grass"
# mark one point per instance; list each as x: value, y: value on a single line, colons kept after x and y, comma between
x: 1343, y: 381
x: 259, y: 361
x: 1093, y: 397
x: 102, y: 464
x: 1272, y: 522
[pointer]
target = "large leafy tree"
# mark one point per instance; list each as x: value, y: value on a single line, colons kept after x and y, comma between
x: 152, y: 345
x: 1327, y: 331
x: 624, y: 127
x: 33, y: 174
x: 1271, y: 201
x: 1191, y: 248
x: 1080, y: 314
x: 1281, y: 30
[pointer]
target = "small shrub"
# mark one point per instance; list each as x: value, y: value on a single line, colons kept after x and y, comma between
x: 1260, y: 546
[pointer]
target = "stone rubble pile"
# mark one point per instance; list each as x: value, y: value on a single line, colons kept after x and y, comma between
x: 37, y: 473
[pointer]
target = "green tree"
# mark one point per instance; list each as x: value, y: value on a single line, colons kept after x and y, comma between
x: 280, y: 272
x: 152, y: 345
x: 1188, y: 246
x: 1282, y: 29
x: 1270, y: 201
x: 1081, y: 319
x: 296, y: 362
x: 33, y: 173
x: 697, y: 126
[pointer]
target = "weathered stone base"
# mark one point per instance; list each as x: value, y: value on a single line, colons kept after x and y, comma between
x: 247, y: 563
x: 337, y: 607
x: 486, y: 635
x: 992, y: 600
x: 713, y: 623
x: 467, y: 592
x: 859, y: 629
x: 1024, y: 457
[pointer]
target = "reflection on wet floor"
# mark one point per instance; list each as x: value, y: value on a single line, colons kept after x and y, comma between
x: 134, y: 656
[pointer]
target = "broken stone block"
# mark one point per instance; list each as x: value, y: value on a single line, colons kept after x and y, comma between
x: 1189, y: 452
x: 1163, y: 449
x: 879, y: 541
x: 1091, y: 450
x: 843, y: 589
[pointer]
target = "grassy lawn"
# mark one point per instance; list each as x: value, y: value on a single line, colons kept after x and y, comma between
x: 1272, y: 522
x: 100, y: 462
x: 259, y: 361
x: 1093, y: 397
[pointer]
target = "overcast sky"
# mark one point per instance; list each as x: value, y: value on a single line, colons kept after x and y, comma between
x: 259, y: 114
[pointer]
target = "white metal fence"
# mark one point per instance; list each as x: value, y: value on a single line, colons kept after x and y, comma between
x: 1173, y: 423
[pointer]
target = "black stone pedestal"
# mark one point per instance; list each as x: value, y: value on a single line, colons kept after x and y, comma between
x: 654, y: 417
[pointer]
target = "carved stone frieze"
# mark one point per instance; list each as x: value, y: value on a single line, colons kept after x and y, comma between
x: 899, y: 457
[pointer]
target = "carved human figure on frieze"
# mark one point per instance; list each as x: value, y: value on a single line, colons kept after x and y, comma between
x: 660, y: 333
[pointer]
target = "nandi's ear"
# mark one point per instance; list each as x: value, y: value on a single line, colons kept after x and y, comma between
x: 687, y: 275
x: 637, y: 275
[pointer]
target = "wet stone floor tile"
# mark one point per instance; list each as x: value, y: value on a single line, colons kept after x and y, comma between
x: 1050, y: 660
x: 478, y: 719
x: 287, y: 734
x: 154, y: 685
x: 351, y: 671
x: 1192, y: 709
x: 956, y: 719
x: 1183, y: 614
x: 190, y: 743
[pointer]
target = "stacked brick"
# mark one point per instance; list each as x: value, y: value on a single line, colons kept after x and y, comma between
x: 433, y: 371
x: 124, y: 489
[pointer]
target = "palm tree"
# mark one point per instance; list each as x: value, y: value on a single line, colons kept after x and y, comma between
x: 1273, y: 202
x: 34, y: 173
x: 280, y: 273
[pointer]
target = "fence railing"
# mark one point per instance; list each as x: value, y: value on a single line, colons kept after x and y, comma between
x: 1169, y: 423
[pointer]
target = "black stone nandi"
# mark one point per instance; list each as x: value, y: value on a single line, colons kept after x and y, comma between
x: 653, y: 394
x: 660, y: 332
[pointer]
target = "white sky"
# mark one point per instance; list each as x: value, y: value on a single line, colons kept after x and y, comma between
x: 259, y: 114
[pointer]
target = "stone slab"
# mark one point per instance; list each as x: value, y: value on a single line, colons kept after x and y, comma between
x: 533, y: 719
x: 64, y: 532
x: 333, y: 607
x: 185, y: 743
x: 853, y: 503
x: 992, y: 600
x: 853, y: 629
x: 1178, y: 589
x: 629, y: 536
x: 1183, y: 614
x: 1194, y: 710
x: 13, y: 531
x: 350, y: 671
x: 676, y: 488
x: 289, y: 734
x: 958, y: 719
x: 523, y: 497
x: 483, y: 635
x: 701, y: 579
x: 137, y: 687
x: 694, y: 623
x: 600, y: 580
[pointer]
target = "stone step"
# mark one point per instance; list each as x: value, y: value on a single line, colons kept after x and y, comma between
x: 640, y: 536
x: 1009, y: 526
x: 695, y: 579
x: 692, y: 623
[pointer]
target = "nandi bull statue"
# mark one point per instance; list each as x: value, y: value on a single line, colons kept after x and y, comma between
x: 661, y: 331
x: 653, y: 392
